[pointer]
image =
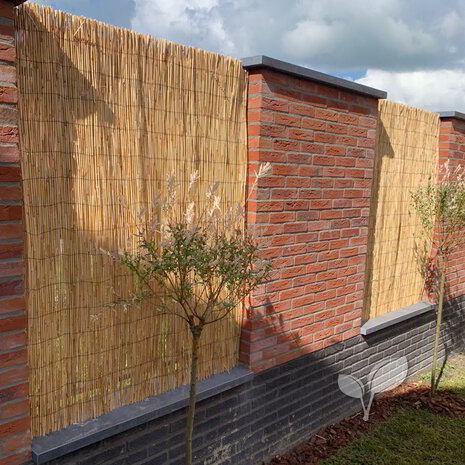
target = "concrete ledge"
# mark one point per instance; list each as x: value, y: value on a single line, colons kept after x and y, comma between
x: 392, y: 318
x: 262, y: 61
x: 74, y: 437
x: 452, y: 114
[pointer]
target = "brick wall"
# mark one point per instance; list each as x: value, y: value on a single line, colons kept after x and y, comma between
x: 15, y: 438
x: 311, y: 214
x: 301, y: 328
x: 452, y: 149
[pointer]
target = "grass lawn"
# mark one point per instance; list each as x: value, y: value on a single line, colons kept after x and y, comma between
x: 453, y: 376
x: 413, y: 437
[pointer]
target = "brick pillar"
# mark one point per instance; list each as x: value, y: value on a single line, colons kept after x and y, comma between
x: 15, y: 434
x: 311, y: 213
x: 452, y: 149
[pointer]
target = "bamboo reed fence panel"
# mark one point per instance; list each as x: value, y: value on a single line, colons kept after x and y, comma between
x: 407, y: 154
x: 107, y: 114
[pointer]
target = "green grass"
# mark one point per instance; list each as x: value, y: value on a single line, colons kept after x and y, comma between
x: 453, y: 375
x: 455, y: 384
x: 453, y: 378
x: 414, y: 437
x: 411, y: 437
x: 446, y: 370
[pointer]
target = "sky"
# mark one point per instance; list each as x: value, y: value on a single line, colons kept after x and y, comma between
x: 413, y: 49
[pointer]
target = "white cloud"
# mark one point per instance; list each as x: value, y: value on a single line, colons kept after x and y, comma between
x: 194, y: 22
x: 439, y: 90
x: 334, y: 35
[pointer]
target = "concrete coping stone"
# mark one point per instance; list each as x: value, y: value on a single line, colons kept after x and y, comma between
x: 262, y: 61
x: 452, y: 114
x: 392, y: 318
x: 74, y: 437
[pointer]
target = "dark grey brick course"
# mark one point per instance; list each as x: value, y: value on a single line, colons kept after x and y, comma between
x: 279, y: 408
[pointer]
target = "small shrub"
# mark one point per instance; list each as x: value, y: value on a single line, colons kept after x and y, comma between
x: 440, y: 206
x: 197, y: 264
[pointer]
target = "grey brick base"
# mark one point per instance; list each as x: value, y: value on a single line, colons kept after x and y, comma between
x: 279, y: 408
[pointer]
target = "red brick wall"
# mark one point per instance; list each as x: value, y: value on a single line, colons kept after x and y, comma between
x: 452, y: 148
x: 311, y: 214
x: 15, y: 437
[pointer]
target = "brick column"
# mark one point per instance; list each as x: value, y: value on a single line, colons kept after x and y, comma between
x: 311, y: 214
x: 452, y: 149
x: 15, y: 435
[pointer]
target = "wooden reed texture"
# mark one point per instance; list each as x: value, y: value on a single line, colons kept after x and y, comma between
x: 407, y: 154
x: 107, y: 113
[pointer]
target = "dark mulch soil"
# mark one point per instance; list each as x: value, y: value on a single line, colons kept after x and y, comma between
x: 331, y: 438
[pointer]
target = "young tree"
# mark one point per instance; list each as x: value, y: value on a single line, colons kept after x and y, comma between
x: 440, y: 206
x: 197, y: 264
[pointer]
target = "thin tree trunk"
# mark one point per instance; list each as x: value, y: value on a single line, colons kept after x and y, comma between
x: 196, y: 332
x: 438, y: 328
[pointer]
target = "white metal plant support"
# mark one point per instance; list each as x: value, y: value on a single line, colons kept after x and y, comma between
x: 384, y: 376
